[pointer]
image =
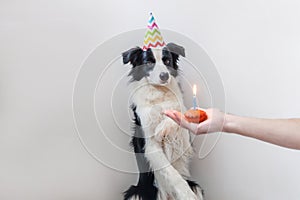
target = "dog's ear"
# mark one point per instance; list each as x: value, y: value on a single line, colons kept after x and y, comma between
x: 174, y: 48
x: 132, y: 55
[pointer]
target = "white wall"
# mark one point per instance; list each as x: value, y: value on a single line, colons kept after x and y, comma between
x: 254, y: 44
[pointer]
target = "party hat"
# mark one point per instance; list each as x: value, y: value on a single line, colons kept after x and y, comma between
x: 153, y: 38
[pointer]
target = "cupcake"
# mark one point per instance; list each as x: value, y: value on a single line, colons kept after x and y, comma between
x: 195, y: 116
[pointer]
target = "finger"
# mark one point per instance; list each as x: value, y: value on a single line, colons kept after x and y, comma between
x: 178, y: 117
x: 170, y: 114
x: 181, y: 119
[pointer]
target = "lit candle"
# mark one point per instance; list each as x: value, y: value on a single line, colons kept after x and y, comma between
x: 194, y: 96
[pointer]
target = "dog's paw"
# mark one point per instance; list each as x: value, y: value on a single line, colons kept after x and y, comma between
x: 187, y: 196
x: 183, y: 191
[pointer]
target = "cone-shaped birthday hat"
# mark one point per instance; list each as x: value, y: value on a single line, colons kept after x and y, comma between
x: 153, y: 38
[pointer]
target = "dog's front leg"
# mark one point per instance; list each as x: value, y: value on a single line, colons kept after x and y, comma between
x: 167, y: 177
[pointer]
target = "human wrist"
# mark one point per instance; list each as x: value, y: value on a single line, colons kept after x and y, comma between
x: 230, y: 123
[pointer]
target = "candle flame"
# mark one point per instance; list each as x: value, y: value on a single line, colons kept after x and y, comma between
x: 194, y: 89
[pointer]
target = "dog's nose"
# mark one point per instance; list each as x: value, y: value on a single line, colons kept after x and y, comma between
x: 164, y: 76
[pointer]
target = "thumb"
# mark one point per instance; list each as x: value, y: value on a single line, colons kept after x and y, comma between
x: 203, y: 127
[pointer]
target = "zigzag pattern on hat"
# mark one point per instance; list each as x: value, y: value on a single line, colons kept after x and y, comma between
x: 153, y: 38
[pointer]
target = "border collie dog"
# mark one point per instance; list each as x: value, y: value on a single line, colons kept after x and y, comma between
x: 162, y: 148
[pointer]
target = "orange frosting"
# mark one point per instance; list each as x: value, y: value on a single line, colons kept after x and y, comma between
x: 195, y: 116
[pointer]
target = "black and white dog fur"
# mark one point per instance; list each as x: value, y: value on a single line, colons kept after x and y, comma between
x: 162, y: 148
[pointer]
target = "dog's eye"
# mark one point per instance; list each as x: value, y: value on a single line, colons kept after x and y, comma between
x: 167, y: 62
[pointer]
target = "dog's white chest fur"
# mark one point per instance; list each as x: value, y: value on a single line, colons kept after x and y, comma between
x: 151, y: 101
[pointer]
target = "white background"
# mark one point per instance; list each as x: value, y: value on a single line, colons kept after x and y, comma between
x: 254, y: 44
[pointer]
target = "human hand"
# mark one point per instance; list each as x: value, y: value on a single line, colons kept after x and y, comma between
x: 214, y: 123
